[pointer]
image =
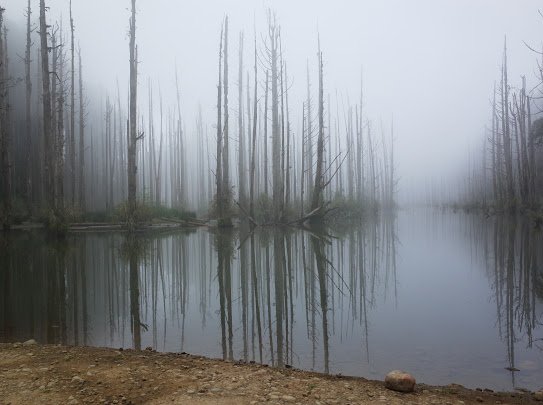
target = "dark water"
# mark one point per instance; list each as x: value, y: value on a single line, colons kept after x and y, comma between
x: 448, y: 297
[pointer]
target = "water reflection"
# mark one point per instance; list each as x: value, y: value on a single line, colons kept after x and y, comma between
x: 449, y: 302
x: 512, y: 251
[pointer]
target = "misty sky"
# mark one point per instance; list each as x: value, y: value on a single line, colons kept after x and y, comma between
x: 429, y: 63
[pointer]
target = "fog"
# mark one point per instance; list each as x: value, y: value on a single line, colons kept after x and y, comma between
x: 428, y: 65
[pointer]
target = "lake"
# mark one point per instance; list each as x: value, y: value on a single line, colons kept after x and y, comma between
x: 449, y: 297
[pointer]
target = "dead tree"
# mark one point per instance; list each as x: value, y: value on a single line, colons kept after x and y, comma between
x: 133, y: 137
x: 508, y: 150
x: 226, y: 150
x: 72, y: 109
x: 5, y: 140
x: 58, y: 114
x: 28, y: 119
x: 241, y: 161
x: 47, y: 112
x: 253, y: 147
x: 266, y: 164
x: 274, y: 34
x: 360, y: 145
x: 218, y: 174
x: 82, y: 202
x: 317, y: 198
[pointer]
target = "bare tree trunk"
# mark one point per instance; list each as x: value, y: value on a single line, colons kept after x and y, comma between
x: 241, y: 161
x: 72, y: 110
x: 5, y: 140
x: 287, y: 164
x: 302, y: 172
x: 494, y: 149
x: 360, y: 144
x: 46, y: 97
x: 274, y: 33
x: 266, y: 163
x: 317, y: 201
x: 132, y: 140
x: 82, y: 201
x: 218, y: 173
x: 28, y: 120
x: 508, y: 151
x: 179, y: 141
x: 309, y: 138
x: 252, y: 178
x: 531, y: 151
x: 59, y: 144
x: 226, y: 154
x: 158, y: 179
x: 54, y: 116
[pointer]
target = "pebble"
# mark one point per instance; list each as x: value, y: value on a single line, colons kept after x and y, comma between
x: 77, y: 379
x: 30, y: 342
x: 288, y: 398
x: 215, y: 390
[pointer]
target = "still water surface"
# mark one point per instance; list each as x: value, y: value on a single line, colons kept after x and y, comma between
x: 448, y: 297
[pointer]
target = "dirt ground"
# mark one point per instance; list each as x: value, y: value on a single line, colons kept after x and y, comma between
x: 34, y: 374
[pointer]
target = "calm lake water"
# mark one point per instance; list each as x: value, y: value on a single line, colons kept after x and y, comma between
x: 445, y: 296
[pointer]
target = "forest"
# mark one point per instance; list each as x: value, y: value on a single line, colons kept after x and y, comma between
x: 69, y: 158
x: 504, y: 175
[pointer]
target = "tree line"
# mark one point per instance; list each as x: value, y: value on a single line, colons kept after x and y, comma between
x: 508, y: 176
x: 65, y: 159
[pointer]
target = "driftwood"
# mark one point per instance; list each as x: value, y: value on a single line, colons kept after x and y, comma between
x: 247, y: 214
x: 193, y: 222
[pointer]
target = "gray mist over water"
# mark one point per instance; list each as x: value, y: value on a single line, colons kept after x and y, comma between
x: 429, y: 66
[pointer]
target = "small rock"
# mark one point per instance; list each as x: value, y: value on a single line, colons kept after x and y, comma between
x: 30, y: 342
x: 479, y: 399
x: 215, y: 390
x: 400, y: 381
x: 77, y: 379
x: 538, y: 396
x: 288, y: 398
x: 190, y: 392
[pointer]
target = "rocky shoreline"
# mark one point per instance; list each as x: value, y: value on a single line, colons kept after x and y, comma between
x: 46, y: 374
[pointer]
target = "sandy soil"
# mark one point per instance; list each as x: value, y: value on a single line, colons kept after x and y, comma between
x: 34, y: 374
